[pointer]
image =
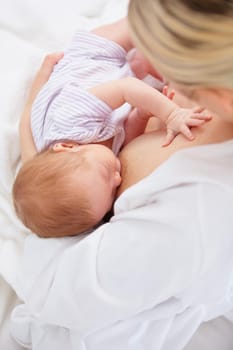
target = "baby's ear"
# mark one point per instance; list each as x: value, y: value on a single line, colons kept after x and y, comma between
x: 65, y: 147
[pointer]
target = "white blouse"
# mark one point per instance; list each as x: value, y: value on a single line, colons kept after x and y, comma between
x: 149, y: 277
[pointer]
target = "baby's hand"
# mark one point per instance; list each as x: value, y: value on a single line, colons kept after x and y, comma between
x: 180, y: 121
x: 168, y: 94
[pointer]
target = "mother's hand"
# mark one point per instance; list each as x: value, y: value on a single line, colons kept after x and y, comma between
x: 28, y: 149
x: 43, y: 75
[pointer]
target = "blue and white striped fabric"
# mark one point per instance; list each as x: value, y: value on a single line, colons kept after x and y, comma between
x: 65, y: 110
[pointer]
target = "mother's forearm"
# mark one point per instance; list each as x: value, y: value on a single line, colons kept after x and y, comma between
x: 27, y: 145
x: 28, y: 149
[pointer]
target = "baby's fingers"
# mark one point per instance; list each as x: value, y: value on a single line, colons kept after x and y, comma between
x: 169, y: 137
x: 197, y: 113
x: 170, y: 94
x: 195, y: 122
x: 198, y: 109
x: 186, y: 132
x: 202, y: 116
x: 165, y: 90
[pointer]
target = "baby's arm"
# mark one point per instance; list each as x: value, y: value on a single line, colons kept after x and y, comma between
x: 135, y: 124
x: 137, y: 120
x: 142, y: 96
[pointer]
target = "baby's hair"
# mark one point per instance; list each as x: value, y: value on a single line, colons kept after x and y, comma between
x: 45, y: 198
x: 189, y: 41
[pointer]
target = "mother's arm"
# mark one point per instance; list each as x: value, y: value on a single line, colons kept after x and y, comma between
x: 28, y: 149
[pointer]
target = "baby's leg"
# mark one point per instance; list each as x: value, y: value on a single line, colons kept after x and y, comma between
x: 117, y: 32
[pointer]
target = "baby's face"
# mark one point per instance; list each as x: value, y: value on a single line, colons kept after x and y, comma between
x: 100, y: 176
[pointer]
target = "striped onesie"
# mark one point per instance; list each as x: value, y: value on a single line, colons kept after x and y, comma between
x: 65, y: 110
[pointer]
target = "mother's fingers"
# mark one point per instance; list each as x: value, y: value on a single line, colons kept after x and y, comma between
x: 47, y: 67
x: 43, y: 75
x: 48, y: 64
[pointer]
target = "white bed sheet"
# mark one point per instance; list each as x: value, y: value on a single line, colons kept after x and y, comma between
x: 28, y: 30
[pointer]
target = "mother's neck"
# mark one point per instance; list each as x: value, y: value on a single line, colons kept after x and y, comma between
x: 219, y: 100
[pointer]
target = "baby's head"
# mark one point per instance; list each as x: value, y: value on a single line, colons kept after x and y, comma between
x: 67, y: 189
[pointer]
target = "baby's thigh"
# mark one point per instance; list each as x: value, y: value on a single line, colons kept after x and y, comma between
x: 117, y: 32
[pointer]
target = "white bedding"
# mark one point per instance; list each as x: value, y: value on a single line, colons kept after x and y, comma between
x: 28, y: 30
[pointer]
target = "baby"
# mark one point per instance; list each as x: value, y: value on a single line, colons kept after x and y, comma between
x: 80, y: 120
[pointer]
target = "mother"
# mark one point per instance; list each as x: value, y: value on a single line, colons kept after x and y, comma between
x: 164, y: 263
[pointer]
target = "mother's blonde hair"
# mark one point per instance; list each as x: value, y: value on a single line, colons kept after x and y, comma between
x: 189, y: 41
